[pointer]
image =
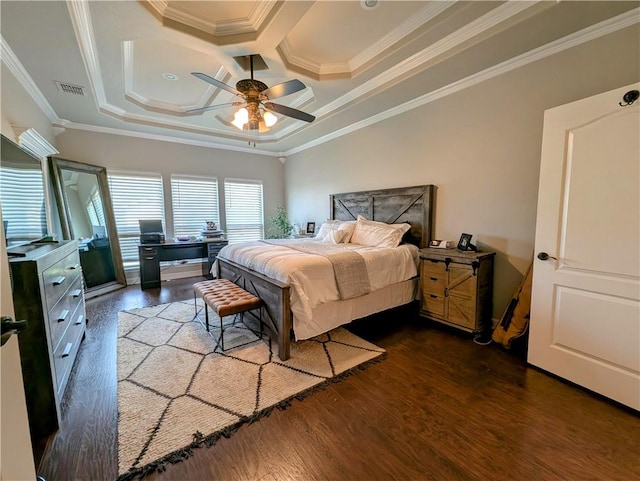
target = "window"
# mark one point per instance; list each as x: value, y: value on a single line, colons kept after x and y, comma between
x: 22, y: 199
x: 195, y: 201
x: 94, y: 209
x: 243, y: 205
x: 134, y: 197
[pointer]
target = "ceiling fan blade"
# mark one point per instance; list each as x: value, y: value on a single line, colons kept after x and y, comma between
x: 285, y: 88
x: 216, y: 82
x: 211, y: 107
x: 290, y: 112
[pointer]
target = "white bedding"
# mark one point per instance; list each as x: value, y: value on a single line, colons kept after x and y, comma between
x: 311, y: 276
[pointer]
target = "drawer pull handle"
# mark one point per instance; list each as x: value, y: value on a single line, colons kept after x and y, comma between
x: 433, y: 278
x: 76, y: 293
x: 149, y: 258
x: 433, y: 296
x: 78, y: 320
x: 73, y: 267
x: 58, y: 280
x: 67, y: 349
x: 63, y: 315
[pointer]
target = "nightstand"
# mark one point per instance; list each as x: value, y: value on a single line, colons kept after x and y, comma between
x: 456, y: 288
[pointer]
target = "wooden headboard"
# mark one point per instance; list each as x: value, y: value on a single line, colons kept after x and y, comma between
x: 413, y: 205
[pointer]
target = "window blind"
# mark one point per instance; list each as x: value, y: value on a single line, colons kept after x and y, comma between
x: 134, y: 197
x: 194, y: 201
x: 23, y: 207
x: 243, y: 205
x: 94, y: 208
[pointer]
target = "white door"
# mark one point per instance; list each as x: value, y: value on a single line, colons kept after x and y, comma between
x: 585, y: 307
x: 16, y: 458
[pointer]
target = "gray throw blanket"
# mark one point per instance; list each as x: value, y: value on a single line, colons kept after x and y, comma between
x: 349, y: 267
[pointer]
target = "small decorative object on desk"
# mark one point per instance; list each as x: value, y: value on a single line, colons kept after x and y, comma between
x: 211, y: 231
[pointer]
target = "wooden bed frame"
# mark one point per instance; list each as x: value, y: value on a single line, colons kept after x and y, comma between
x: 413, y: 205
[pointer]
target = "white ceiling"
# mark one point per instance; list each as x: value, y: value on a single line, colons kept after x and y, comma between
x: 360, y: 65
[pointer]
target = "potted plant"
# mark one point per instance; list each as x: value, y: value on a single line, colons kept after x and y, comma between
x: 280, y: 228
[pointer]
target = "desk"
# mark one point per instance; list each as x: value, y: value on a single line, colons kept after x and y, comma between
x: 150, y: 256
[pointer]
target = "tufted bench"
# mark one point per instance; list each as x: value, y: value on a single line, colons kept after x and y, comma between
x: 226, y: 298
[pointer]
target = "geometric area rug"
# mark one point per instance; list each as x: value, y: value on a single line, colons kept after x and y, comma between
x: 178, y: 391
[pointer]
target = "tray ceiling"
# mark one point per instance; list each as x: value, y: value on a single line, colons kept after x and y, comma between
x: 129, y: 64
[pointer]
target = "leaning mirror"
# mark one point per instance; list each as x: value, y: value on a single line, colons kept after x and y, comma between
x: 84, y: 205
x: 22, y: 195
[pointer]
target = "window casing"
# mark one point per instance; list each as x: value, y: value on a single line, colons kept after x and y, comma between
x: 244, y: 210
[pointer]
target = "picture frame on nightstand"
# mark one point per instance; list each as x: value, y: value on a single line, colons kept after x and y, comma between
x: 311, y: 227
x: 464, y: 244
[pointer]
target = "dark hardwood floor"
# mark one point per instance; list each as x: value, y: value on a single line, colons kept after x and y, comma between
x: 440, y: 407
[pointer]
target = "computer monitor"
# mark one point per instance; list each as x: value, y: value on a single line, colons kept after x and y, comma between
x: 151, y: 226
x: 98, y: 231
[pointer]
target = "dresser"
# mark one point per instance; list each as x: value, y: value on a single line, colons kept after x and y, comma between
x: 48, y: 293
x: 456, y: 288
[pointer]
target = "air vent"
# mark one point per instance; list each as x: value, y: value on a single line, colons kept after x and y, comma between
x: 68, y: 88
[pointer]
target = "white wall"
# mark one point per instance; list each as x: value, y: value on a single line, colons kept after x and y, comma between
x: 480, y: 147
x: 116, y: 152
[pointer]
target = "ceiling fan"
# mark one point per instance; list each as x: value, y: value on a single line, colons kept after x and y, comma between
x: 256, y: 108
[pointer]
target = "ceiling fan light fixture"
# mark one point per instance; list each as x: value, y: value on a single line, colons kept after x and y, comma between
x: 269, y: 119
x: 240, y: 118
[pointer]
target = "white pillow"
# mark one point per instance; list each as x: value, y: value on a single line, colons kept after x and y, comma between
x: 337, y: 225
x: 335, y: 236
x: 378, y: 234
x: 327, y: 227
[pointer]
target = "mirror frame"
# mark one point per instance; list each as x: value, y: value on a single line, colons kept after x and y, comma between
x: 56, y: 164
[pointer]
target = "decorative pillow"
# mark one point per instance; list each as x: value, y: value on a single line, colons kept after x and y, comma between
x: 327, y: 227
x: 378, y: 234
x: 336, y: 225
x: 335, y: 236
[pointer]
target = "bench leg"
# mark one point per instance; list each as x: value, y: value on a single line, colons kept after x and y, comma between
x: 206, y: 316
x: 221, y: 332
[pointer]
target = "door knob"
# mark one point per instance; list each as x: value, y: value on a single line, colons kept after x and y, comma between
x: 8, y: 326
x: 543, y: 256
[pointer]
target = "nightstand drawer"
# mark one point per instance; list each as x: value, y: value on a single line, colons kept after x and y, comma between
x: 432, y: 304
x: 436, y: 268
x: 432, y: 284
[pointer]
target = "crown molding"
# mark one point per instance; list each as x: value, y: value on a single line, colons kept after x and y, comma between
x: 67, y: 125
x: 20, y: 73
x: 453, y: 40
x: 585, y: 35
x: 423, y: 16
x: 250, y: 24
x: 31, y: 140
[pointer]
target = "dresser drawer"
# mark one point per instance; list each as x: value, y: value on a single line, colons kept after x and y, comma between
x: 65, y: 353
x: 63, y: 312
x: 147, y: 251
x: 59, y: 277
x: 214, y: 247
